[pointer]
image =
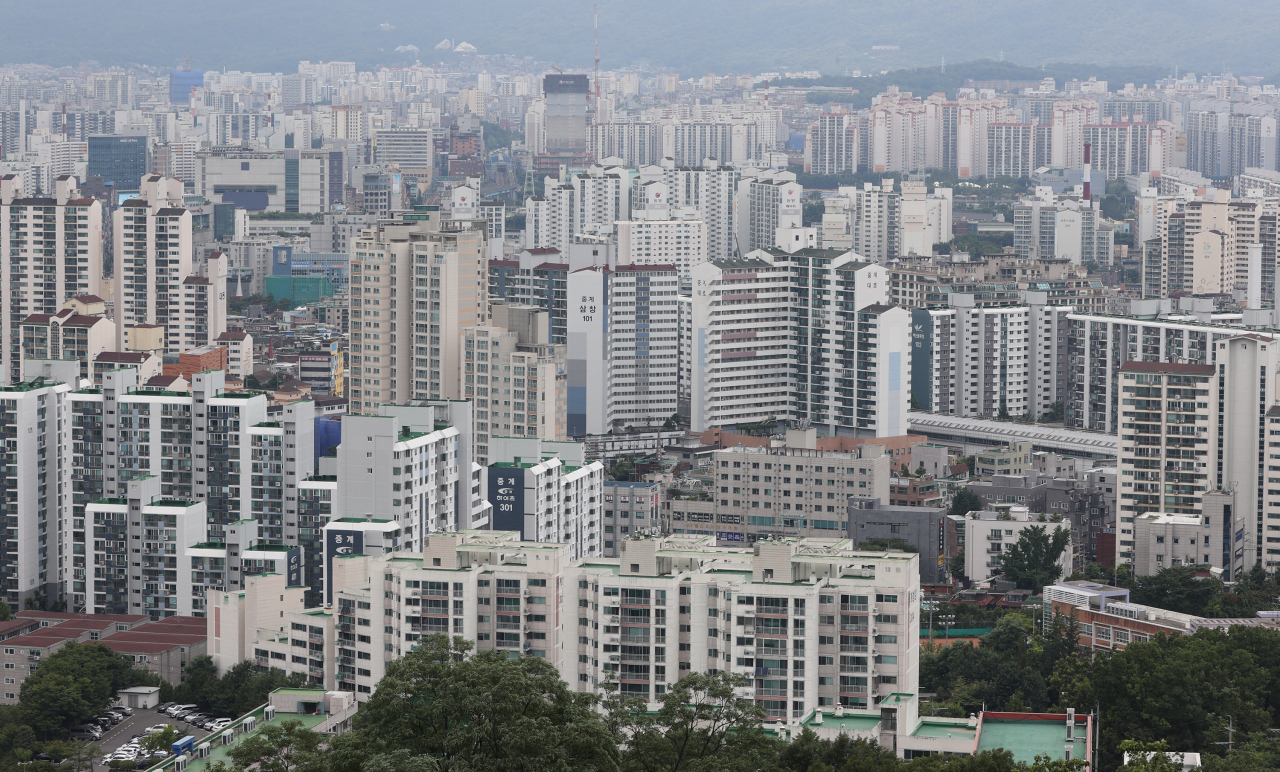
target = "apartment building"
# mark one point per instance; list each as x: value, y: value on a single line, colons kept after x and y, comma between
x: 983, y: 361
x: 54, y: 253
x: 831, y: 145
x: 812, y: 622
x: 68, y: 335
x: 202, y: 313
x: 36, y: 557
x: 994, y: 281
x: 153, y: 252
x: 767, y: 200
x: 623, y: 347
x: 709, y: 189
x: 759, y: 493
x: 746, y: 314
x: 548, y: 491
x: 415, y: 285
x: 518, y: 380
x: 1067, y: 228
x: 988, y: 534
x: 630, y: 508
x: 1098, y: 345
x: 658, y: 234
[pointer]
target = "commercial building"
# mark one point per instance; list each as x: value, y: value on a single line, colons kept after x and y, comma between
x: 565, y: 117
x: 120, y: 160
x: 265, y: 181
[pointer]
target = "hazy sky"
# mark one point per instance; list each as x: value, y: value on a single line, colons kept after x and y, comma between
x: 691, y: 37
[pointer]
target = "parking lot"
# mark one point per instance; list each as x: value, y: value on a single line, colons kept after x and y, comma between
x: 137, y: 723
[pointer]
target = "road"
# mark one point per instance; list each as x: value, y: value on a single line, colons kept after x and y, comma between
x: 137, y: 723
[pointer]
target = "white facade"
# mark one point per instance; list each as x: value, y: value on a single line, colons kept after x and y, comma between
x: 548, y: 492
x: 988, y: 537
x: 623, y: 330
x: 63, y: 235
x: 766, y: 201
x: 153, y: 255
x: 709, y: 189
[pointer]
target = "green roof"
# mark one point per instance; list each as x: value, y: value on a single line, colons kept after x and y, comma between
x: 30, y: 385
x: 218, y: 751
x: 1027, y: 737
x: 940, y: 727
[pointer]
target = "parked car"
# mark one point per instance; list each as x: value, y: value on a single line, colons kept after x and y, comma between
x: 162, y: 707
x: 125, y: 709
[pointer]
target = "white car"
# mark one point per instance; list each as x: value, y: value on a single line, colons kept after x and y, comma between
x: 157, y: 729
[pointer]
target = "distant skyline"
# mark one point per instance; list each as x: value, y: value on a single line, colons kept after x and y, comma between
x: 692, y: 38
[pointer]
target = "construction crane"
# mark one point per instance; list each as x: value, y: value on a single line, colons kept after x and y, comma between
x: 557, y: 69
x: 187, y: 66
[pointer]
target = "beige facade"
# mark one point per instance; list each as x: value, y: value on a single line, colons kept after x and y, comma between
x: 416, y: 284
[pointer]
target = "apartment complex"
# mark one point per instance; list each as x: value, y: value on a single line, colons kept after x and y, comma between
x: 153, y: 256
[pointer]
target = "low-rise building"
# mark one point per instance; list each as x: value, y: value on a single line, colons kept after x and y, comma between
x: 989, y: 534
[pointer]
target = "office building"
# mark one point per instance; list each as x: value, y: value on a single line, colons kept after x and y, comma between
x: 59, y: 239
x: 120, y: 160
x: 566, y: 120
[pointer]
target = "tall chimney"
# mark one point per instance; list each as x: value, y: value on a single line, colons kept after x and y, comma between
x: 1088, y: 170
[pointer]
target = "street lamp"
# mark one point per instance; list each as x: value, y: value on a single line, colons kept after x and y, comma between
x: 930, y: 606
x: 947, y: 621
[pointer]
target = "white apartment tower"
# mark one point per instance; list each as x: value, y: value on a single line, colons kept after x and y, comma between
x: 153, y: 256
x: 53, y: 250
x: 767, y: 200
x: 709, y: 189
x: 415, y: 285
x: 624, y: 344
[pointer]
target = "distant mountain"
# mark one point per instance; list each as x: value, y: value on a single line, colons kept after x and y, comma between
x: 692, y: 38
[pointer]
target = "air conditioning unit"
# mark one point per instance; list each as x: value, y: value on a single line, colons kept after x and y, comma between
x: 528, y: 592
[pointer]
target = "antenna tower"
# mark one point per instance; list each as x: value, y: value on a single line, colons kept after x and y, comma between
x: 595, y: 15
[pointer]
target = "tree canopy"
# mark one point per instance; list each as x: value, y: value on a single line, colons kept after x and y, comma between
x: 1031, y: 562
x: 963, y: 502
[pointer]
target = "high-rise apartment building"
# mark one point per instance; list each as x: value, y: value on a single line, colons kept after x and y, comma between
x: 153, y: 256
x: 801, y: 334
x: 415, y: 285
x: 547, y: 491
x: 831, y: 145
x: 766, y: 201
x: 875, y: 221
x: 1047, y: 226
x: 516, y: 377
x: 624, y: 358
x: 709, y: 189
x: 659, y: 233
x: 53, y: 251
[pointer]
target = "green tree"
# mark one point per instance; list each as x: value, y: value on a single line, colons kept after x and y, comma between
x: 283, y: 747
x: 479, y: 712
x: 1148, y: 757
x: 1032, y: 561
x: 701, y: 724
x: 1177, y: 589
x: 6, y: 612
x: 400, y: 760
x: 957, y: 564
x: 963, y: 502
x: 809, y: 753
x: 162, y: 741
x: 73, y: 684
